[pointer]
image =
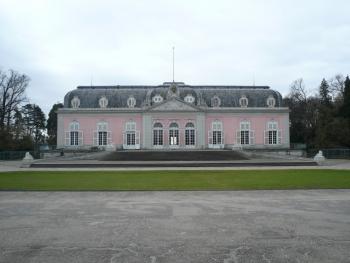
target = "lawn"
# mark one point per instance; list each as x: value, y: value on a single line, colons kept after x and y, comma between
x: 175, y: 180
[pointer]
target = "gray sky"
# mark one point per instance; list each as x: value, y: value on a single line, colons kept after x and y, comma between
x: 63, y: 44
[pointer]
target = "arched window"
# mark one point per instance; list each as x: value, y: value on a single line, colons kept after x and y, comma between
x: 217, y: 133
x: 102, y: 133
x: 158, y: 134
x: 130, y: 131
x: 215, y: 102
x: 272, y: 134
x: 245, y: 135
x: 243, y: 101
x: 190, y: 134
x: 75, y: 102
x: 245, y: 132
x: 131, y: 136
x: 74, y: 126
x: 173, y: 134
x: 271, y: 102
x: 103, y: 102
x: 74, y: 136
x: 131, y: 102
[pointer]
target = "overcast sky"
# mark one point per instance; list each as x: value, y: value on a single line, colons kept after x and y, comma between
x: 63, y: 44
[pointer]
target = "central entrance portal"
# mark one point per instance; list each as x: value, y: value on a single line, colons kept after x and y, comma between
x: 174, y: 135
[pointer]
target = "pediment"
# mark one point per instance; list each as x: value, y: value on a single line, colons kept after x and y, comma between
x: 173, y: 105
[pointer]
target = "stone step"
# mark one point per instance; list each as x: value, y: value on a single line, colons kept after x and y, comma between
x: 139, y: 164
x: 174, y: 155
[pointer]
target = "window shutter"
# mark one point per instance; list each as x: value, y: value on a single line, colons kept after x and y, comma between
x: 95, y: 138
x: 279, y: 136
x: 109, y: 138
x: 210, y: 137
x: 137, y: 137
x: 80, y: 138
x: 238, y: 137
x: 124, y: 138
x: 67, y: 138
x: 266, y: 137
x: 251, y: 137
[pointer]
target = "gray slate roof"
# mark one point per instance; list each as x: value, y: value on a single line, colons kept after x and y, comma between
x: 117, y: 95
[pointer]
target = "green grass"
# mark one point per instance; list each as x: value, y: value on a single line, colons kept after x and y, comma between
x: 175, y: 180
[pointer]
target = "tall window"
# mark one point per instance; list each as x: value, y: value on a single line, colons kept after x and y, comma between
x: 74, y: 133
x: 245, y: 132
x: 173, y: 134
x: 157, y: 134
x: 217, y: 132
x: 190, y: 137
x: 130, y: 129
x: 102, y: 138
x: 102, y: 133
x: 272, y: 135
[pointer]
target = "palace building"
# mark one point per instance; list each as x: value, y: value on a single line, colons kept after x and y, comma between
x: 173, y: 115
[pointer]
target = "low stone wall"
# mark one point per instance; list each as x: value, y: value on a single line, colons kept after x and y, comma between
x: 278, y: 153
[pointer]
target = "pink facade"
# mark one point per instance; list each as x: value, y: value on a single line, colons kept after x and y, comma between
x: 88, y: 124
x: 173, y: 115
x: 230, y: 126
x: 258, y: 125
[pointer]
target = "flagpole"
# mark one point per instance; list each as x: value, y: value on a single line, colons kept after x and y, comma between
x: 173, y: 64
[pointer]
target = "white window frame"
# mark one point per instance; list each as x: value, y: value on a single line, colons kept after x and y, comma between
x: 74, y: 134
x: 245, y: 136
x: 190, y: 135
x: 102, y: 136
x: 174, y: 135
x: 131, y: 134
x: 157, y: 135
x: 216, y: 135
x: 272, y: 135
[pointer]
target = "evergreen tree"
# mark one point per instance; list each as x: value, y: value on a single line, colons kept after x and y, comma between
x: 324, y: 92
x: 52, y: 124
x: 345, y: 108
x: 39, y: 122
x: 28, y: 111
x: 324, y: 131
x: 18, y: 125
x: 34, y: 122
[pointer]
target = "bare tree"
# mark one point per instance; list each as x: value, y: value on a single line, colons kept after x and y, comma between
x: 12, y: 94
x: 298, y: 91
x: 336, y: 86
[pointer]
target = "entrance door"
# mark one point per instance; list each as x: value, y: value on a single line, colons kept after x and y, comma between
x: 174, y: 135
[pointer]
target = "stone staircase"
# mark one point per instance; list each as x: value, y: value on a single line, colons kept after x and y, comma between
x: 174, y: 155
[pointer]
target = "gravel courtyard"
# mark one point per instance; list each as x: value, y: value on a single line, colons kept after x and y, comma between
x: 233, y: 226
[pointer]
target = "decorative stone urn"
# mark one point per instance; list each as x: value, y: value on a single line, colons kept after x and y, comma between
x: 27, y: 160
x: 319, y: 158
